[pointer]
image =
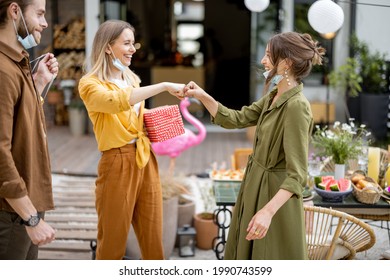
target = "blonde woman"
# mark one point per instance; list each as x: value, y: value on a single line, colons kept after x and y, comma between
x: 128, y: 189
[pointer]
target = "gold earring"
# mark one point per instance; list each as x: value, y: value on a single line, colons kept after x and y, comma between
x: 286, y: 76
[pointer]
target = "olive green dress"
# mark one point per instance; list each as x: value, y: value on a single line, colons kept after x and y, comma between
x: 279, y: 161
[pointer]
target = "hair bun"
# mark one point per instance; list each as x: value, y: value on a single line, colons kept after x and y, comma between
x: 319, y: 52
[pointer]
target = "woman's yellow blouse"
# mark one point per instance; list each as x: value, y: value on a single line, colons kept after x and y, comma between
x: 115, y: 123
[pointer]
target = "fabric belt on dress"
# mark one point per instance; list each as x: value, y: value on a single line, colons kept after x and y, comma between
x: 275, y: 169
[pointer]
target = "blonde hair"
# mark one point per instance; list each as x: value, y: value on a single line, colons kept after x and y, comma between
x: 300, y: 49
x: 108, y: 32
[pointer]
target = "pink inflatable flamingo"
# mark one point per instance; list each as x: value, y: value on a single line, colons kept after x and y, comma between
x: 175, y: 146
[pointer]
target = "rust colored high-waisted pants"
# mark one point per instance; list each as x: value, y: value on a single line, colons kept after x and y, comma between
x: 128, y: 195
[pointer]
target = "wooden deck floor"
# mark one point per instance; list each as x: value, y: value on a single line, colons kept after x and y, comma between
x: 74, y: 219
x: 79, y: 155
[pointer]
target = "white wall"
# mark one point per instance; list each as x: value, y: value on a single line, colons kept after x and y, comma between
x: 372, y: 25
x: 92, y: 10
x: 340, y: 54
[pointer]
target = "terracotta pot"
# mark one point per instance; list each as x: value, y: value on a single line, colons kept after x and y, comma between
x: 206, y: 231
x: 54, y: 97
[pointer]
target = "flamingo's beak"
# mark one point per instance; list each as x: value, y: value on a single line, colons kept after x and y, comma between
x: 194, y: 100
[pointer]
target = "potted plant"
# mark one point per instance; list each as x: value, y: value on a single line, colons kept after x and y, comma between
x: 206, y: 228
x: 77, y: 117
x: 54, y: 95
x: 364, y: 78
x: 341, y: 143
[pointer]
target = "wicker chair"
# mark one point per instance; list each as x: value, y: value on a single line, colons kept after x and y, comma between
x: 332, y: 234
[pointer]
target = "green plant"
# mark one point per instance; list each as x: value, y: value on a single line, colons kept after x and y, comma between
x: 77, y: 103
x: 206, y: 215
x: 347, y: 77
x: 342, y: 143
x: 365, y: 71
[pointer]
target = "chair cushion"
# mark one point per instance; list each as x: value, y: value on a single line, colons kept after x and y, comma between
x: 386, y: 254
x: 340, y: 251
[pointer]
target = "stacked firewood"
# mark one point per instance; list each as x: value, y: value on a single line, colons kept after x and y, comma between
x: 70, y: 36
x: 71, y: 65
x: 69, y: 45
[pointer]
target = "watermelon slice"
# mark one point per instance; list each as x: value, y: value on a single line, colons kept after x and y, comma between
x: 325, y: 179
x: 344, y: 184
x: 332, y: 185
x: 317, y: 180
x: 335, y: 188
x: 321, y: 186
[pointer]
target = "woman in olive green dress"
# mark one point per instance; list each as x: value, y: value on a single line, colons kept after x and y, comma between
x: 268, y: 220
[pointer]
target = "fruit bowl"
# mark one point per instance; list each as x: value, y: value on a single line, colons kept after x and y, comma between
x: 332, y: 196
x: 332, y: 190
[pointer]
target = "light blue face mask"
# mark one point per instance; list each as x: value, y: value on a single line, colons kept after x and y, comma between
x: 116, y: 62
x: 118, y: 65
x: 275, y: 80
x: 27, y: 42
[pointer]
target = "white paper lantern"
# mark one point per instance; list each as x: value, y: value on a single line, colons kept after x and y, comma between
x: 256, y: 5
x: 325, y: 16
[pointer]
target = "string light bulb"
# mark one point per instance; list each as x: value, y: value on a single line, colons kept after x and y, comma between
x: 256, y: 5
x: 325, y: 16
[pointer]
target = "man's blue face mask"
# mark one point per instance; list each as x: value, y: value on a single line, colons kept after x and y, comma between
x: 27, y: 42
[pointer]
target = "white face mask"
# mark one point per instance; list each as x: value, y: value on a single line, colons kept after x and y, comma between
x: 27, y: 42
x: 116, y: 62
x: 266, y: 73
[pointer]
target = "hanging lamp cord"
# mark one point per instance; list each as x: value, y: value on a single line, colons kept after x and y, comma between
x: 360, y: 3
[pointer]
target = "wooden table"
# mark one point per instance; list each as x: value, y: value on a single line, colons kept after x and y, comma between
x: 379, y: 211
x: 226, y: 194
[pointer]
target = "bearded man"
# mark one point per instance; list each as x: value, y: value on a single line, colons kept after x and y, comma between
x: 25, y: 173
